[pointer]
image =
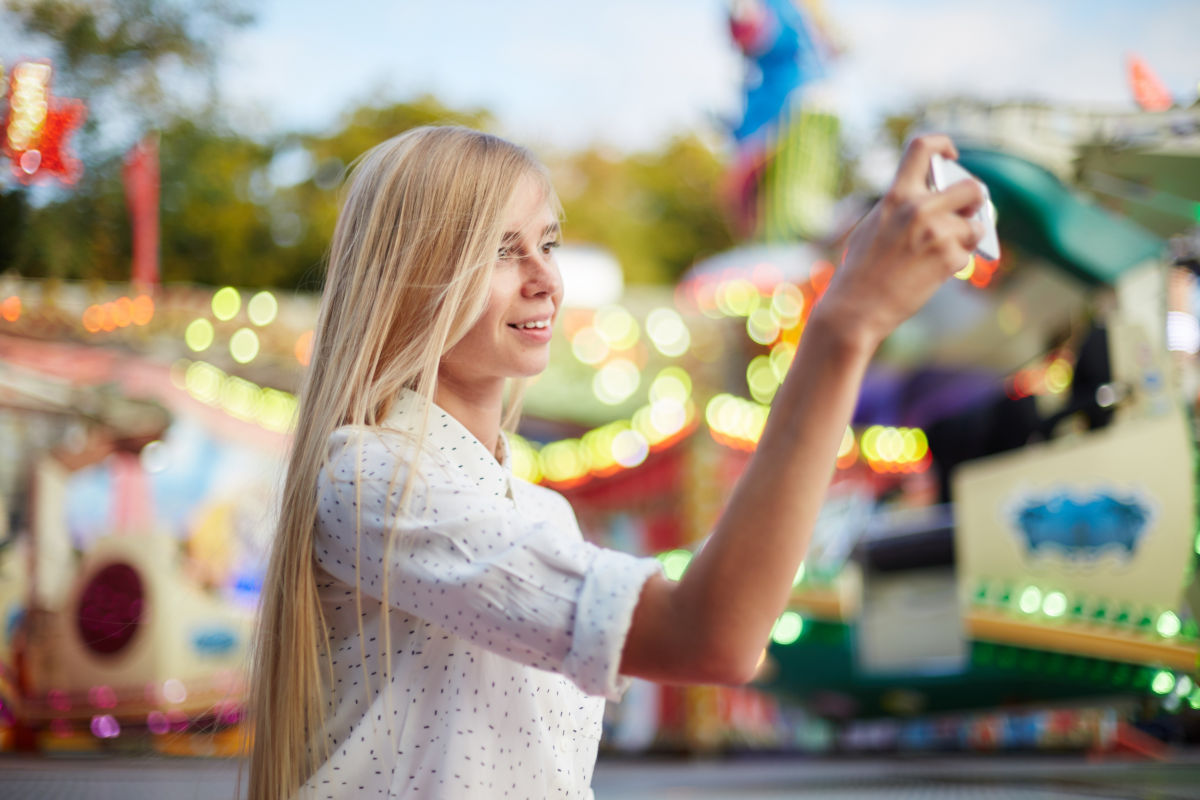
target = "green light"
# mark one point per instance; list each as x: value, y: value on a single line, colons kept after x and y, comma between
x: 675, y: 562
x: 226, y: 302
x: 198, y: 335
x: 1163, y: 682
x: 1184, y: 685
x: 1031, y: 599
x: 243, y: 345
x: 262, y: 308
x: 1055, y: 604
x: 787, y: 628
x: 1194, y: 698
x: 1168, y: 624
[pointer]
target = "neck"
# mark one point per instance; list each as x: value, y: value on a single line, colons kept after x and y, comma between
x: 478, y: 407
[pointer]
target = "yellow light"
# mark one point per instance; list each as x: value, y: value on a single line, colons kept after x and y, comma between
x: 240, y: 398
x: 225, y: 303
x: 675, y: 563
x: 922, y: 444
x: 203, y: 381
x: 761, y: 327
x: 847, y: 444
x: 668, y: 332
x: 616, y: 381
x: 966, y: 272
x: 630, y: 448
x: 243, y: 345
x: 617, y: 326
x: 667, y: 417
x: 868, y: 442
x: 781, y: 359
x: 524, y: 459
x: 596, y: 447
x: 563, y: 460
x: 1163, y: 682
x: 671, y: 383
x: 712, y: 414
x: 796, y: 581
x: 198, y: 335
x: 737, y: 298
x: 761, y: 380
x: 276, y: 410
x: 890, y: 445
x: 1058, y: 375
x: 787, y: 304
x: 589, y: 346
x: 262, y: 308
x: 787, y: 628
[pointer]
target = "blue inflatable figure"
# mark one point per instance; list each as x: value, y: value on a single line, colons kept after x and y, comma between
x: 1083, y: 528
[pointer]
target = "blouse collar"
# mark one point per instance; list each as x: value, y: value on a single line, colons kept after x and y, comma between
x: 457, y: 445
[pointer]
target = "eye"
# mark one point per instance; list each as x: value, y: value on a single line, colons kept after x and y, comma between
x: 548, y: 247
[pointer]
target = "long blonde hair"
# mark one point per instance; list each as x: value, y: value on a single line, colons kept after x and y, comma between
x: 409, y: 272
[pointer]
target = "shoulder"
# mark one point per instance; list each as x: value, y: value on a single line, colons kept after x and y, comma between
x: 361, y: 452
x: 536, y: 498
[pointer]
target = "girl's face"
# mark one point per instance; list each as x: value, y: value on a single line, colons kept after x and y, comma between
x: 512, y: 338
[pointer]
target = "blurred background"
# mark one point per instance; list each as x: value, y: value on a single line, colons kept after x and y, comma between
x: 1005, y: 561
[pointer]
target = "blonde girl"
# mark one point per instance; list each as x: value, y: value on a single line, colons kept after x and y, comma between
x: 432, y: 626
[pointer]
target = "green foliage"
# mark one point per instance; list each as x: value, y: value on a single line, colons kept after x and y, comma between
x: 657, y: 212
x: 122, y: 46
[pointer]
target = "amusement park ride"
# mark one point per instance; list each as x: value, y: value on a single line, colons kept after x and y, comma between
x: 1005, y: 559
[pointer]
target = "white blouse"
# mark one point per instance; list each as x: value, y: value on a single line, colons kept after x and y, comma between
x: 506, y: 627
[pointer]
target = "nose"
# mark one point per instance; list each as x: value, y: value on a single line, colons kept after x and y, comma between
x: 541, y: 275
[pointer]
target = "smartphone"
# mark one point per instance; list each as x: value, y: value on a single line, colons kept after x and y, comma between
x: 944, y: 173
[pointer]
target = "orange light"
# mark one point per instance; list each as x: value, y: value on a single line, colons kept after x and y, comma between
x: 10, y: 309
x: 303, y: 349
x: 143, y: 309
x: 122, y: 312
x: 93, y: 319
x: 108, y: 320
x: 820, y: 276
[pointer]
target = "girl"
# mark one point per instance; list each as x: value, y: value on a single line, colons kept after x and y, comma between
x: 432, y: 626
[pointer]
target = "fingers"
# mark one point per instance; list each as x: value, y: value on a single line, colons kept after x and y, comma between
x: 963, y: 198
x: 913, y: 171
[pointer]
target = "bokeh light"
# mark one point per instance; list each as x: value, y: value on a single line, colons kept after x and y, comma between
x: 787, y: 628
x: 243, y: 345
x: 262, y: 308
x: 226, y: 303
x: 198, y: 335
x: 668, y: 332
x: 616, y: 381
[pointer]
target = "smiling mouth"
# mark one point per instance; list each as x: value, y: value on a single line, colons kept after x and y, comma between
x: 530, y: 326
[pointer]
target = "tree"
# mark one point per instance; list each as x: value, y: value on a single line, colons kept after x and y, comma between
x: 114, y: 54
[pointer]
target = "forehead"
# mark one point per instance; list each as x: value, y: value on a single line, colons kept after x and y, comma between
x: 528, y: 208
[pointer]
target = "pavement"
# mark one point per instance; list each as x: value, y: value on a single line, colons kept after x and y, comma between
x: 970, y: 777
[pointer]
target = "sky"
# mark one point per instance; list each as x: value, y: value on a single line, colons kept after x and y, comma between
x: 632, y: 73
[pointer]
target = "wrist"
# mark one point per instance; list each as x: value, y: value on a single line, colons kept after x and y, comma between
x: 841, y: 334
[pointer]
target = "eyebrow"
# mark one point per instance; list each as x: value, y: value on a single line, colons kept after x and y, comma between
x: 552, y: 228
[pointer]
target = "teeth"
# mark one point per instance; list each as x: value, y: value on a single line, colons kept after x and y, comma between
x: 539, y: 324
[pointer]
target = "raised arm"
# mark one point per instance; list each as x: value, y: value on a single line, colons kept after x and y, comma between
x: 711, y: 626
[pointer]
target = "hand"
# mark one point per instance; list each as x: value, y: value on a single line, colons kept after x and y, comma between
x: 910, y: 243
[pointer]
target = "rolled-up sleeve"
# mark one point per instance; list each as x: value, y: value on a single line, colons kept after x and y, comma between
x: 528, y: 588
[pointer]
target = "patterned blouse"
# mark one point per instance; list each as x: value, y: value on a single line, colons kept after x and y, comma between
x: 505, y: 627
